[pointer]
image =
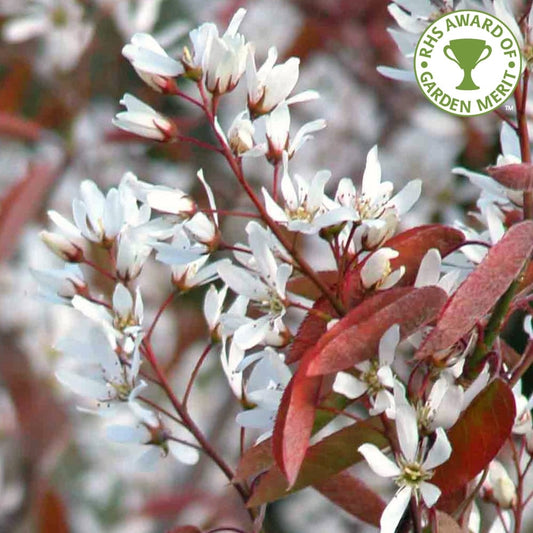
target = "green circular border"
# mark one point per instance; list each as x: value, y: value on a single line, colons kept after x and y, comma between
x: 520, y: 55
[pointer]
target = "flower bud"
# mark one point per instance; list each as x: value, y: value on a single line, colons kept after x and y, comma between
x: 62, y: 247
x: 499, y: 487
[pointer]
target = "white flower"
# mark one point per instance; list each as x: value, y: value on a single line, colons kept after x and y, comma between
x: 143, y: 120
x: 241, y: 134
x: 523, y: 423
x: 377, y: 272
x: 443, y: 406
x: 149, y: 432
x: 99, y: 217
x: 276, y: 132
x: 411, y: 471
x: 429, y: 273
x: 201, y: 227
x: 60, y: 285
x: 151, y: 62
x: 224, y: 61
x: 99, y: 373
x: 264, y: 388
x: 125, y: 317
x: 229, y: 322
x: 213, y: 303
x: 60, y: 25
x: 220, y: 61
x: 306, y: 206
x: 375, y: 377
x: 266, y: 287
x: 160, y: 197
x: 376, y: 213
x: 134, y: 16
x: 271, y: 85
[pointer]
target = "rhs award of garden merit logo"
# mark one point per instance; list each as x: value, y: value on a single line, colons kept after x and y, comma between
x: 468, y: 62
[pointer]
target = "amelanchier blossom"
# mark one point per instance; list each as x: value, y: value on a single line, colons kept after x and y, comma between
x: 498, y: 487
x: 96, y: 371
x: 224, y: 60
x: 264, y: 389
x: 266, y: 287
x: 60, y: 285
x: 375, y: 377
x: 412, y: 469
x: 306, y: 206
x: 377, y: 273
x: 271, y: 84
x: 141, y: 119
x: 376, y: 211
x: 276, y: 131
x: 151, y: 62
x: 151, y: 435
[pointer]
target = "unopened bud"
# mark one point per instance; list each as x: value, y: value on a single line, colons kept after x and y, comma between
x: 62, y: 247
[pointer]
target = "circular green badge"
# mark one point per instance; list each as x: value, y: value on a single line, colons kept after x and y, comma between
x: 468, y: 63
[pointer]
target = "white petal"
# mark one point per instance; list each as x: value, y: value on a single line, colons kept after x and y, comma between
x: 372, y: 174
x: 349, y: 385
x: 407, y: 430
x: 256, y: 418
x: 394, y: 511
x: 148, y: 460
x: 383, y: 402
x: 397, y: 73
x: 83, y: 386
x: 378, y: 461
x: 183, y: 453
x: 429, y: 270
x: 430, y: 493
x: 387, y: 345
x: 127, y: 434
x: 440, y: 451
x: 407, y: 197
x: 386, y: 377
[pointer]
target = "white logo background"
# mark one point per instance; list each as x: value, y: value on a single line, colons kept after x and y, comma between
x: 501, y: 67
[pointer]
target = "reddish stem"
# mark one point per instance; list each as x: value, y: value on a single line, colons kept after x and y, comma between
x: 194, y: 373
x: 198, y: 142
x: 99, y: 269
x: 160, y: 311
x: 191, y: 425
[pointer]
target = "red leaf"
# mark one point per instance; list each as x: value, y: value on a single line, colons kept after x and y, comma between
x: 477, y: 436
x: 303, y: 286
x: 413, y: 244
x: 518, y: 176
x: 361, y: 341
x: 52, y: 514
x: 446, y: 524
x: 481, y: 289
x: 256, y: 459
x: 296, y: 413
x: 332, y: 455
x: 354, y: 496
x: 20, y: 203
x: 310, y: 331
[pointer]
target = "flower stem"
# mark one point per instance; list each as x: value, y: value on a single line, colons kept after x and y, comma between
x: 193, y: 428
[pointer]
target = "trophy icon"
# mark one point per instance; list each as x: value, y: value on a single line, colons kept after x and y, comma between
x: 468, y: 53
